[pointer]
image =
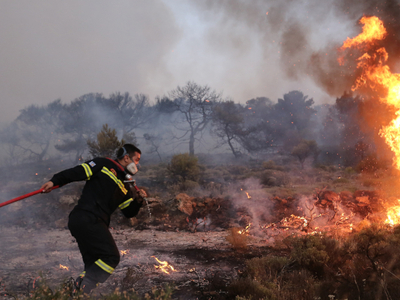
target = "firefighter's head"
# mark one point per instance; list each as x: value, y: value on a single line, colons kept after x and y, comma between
x: 129, y: 156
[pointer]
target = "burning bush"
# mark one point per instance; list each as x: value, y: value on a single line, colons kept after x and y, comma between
x: 237, y: 239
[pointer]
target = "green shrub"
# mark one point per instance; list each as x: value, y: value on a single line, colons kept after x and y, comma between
x: 265, y: 268
x: 251, y: 289
x: 271, y: 165
x: 309, y: 252
x: 184, y: 167
x: 327, y: 168
x: 42, y: 291
x: 341, y: 180
x: 273, y: 178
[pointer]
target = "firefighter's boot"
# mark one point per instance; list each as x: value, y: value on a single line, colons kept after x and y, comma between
x: 95, y: 274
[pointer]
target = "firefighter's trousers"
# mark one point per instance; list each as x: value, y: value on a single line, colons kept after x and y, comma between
x: 97, y: 246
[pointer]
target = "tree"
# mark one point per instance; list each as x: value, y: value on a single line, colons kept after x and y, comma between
x: 127, y: 113
x: 194, y: 105
x: 305, y: 149
x: 107, y: 143
x: 34, y: 130
x: 295, y: 110
x: 79, y: 122
x: 261, y: 130
x: 154, y: 141
x: 228, y: 123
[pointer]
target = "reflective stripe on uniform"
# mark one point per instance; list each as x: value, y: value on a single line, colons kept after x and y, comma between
x: 117, y: 181
x: 125, y: 204
x: 104, y: 266
x: 88, y: 171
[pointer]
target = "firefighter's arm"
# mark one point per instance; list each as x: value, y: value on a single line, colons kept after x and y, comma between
x: 131, y: 207
x: 78, y: 173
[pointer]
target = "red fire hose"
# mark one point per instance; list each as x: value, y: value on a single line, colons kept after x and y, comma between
x: 24, y: 196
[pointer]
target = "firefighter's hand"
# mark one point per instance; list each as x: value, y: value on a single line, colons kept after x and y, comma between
x: 142, y: 193
x: 47, y: 187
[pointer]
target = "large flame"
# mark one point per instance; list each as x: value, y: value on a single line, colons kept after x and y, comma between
x: 376, y: 76
x: 373, y: 29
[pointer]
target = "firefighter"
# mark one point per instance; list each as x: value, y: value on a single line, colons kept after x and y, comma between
x: 104, y: 192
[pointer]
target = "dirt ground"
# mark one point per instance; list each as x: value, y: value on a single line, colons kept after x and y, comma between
x: 204, y: 262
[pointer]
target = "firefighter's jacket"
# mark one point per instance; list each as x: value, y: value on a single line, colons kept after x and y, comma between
x: 104, y: 190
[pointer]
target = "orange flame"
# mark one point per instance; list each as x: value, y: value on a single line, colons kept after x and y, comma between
x: 246, y: 230
x: 247, y: 194
x: 393, y: 215
x: 64, y: 267
x: 376, y: 76
x: 373, y: 29
x: 164, y: 266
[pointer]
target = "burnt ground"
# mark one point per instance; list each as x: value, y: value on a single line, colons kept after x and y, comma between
x: 204, y: 262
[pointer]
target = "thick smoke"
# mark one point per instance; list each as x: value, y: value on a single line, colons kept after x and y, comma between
x: 307, y: 40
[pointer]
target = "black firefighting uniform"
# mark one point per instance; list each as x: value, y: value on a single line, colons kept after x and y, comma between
x: 102, y: 194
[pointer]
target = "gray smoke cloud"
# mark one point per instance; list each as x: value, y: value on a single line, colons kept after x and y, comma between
x: 307, y: 34
x: 246, y: 49
x: 58, y: 49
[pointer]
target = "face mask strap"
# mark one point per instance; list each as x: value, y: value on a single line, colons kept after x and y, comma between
x: 123, y: 154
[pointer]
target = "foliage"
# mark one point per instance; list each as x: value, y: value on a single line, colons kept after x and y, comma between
x: 309, y: 252
x: 265, y: 268
x: 272, y: 177
x: 126, y: 113
x: 328, y: 168
x: 154, y: 141
x: 271, y: 165
x: 194, y: 104
x: 43, y: 291
x: 228, y: 124
x: 363, y: 265
x: 107, y: 143
x: 33, y: 132
x: 370, y: 164
x: 184, y: 167
x: 247, y: 287
x: 305, y: 149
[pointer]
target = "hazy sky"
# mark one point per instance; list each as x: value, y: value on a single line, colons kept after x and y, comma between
x: 63, y: 49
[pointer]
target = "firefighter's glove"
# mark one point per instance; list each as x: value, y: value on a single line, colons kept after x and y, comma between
x: 141, y: 194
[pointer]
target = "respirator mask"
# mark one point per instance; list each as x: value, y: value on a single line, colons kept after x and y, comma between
x: 132, y: 168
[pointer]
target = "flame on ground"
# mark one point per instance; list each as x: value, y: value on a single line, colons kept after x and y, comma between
x: 246, y: 230
x: 164, y: 266
x: 64, y: 267
x: 247, y: 194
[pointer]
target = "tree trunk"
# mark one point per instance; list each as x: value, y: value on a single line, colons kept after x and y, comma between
x: 191, y: 144
x: 232, y: 148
